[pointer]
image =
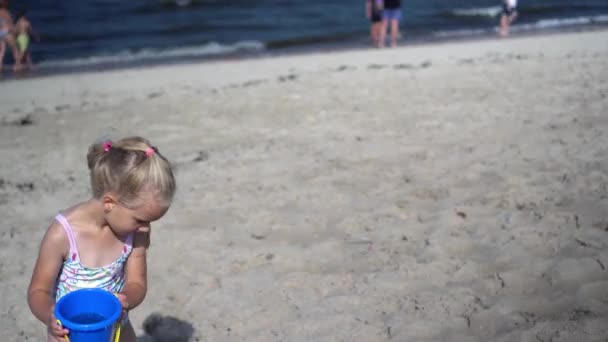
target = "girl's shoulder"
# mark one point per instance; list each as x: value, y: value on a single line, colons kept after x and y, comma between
x: 61, y: 228
x: 57, y: 237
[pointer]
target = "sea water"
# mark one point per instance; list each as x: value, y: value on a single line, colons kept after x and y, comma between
x: 108, y: 33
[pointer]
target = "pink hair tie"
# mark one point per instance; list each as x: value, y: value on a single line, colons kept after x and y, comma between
x: 107, y: 145
x: 149, y: 151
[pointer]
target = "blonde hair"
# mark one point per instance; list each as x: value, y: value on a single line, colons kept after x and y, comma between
x: 128, y: 166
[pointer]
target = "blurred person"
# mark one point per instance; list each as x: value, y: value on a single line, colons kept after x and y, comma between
x: 391, y: 14
x: 7, y: 35
x: 24, y: 32
x: 373, y: 10
x: 509, y: 13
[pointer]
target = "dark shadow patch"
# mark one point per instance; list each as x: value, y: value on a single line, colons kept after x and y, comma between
x: 202, y: 156
x: 517, y: 56
x: 23, y: 187
x: 579, y: 314
x: 376, y: 66
x: 466, y: 61
x: 253, y: 83
x: 159, y: 328
x: 155, y: 94
x: 290, y: 77
x: 403, y: 66
x: 583, y: 243
x: 258, y: 236
x: 23, y: 121
x: 345, y: 68
x: 601, y: 225
x: 61, y: 108
x: 426, y: 64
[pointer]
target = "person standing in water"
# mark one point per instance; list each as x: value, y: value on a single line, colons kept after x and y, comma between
x: 7, y: 36
x: 391, y: 14
x: 24, y: 31
x: 373, y: 10
x: 509, y: 13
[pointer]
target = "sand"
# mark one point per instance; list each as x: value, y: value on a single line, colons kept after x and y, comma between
x: 447, y: 192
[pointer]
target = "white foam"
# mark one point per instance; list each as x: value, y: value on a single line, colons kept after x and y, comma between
x: 460, y: 33
x: 478, y: 12
x: 539, y: 25
x: 144, y: 55
x: 562, y: 22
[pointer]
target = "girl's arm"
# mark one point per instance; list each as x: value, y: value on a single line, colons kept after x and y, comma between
x: 136, y: 279
x: 53, y: 249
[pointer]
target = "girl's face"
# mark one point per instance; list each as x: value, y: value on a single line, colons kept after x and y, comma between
x: 125, y: 220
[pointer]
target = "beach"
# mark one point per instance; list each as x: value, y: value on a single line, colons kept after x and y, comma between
x: 438, y: 192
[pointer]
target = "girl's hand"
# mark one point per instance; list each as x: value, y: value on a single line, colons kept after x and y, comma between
x: 124, y: 302
x: 56, y: 331
x: 57, y: 339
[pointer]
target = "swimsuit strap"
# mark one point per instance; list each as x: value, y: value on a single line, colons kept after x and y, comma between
x: 68, y: 230
x: 73, y: 248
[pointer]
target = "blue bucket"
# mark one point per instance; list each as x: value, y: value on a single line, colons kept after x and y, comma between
x: 91, y: 315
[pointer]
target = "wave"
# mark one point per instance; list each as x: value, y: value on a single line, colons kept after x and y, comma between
x: 182, y: 3
x: 536, y: 9
x: 551, y: 23
x: 151, y: 55
x: 553, y: 9
x: 251, y: 47
x: 461, y: 33
x: 477, y: 12
x: 543, y: 24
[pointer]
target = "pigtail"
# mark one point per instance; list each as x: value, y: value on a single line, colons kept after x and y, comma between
x: 96, y: 152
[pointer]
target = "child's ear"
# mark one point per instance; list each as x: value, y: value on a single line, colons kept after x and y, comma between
x: 109, y: 201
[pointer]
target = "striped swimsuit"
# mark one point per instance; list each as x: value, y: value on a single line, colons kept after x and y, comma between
x: 74, y: 275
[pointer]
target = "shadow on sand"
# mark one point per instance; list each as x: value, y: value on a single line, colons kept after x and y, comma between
x: 159, y: 328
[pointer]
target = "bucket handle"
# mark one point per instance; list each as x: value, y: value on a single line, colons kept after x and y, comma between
x: 116, y: 334
x: 118, y: 325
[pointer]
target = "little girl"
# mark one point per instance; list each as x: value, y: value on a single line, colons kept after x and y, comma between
x: 102, y: 242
